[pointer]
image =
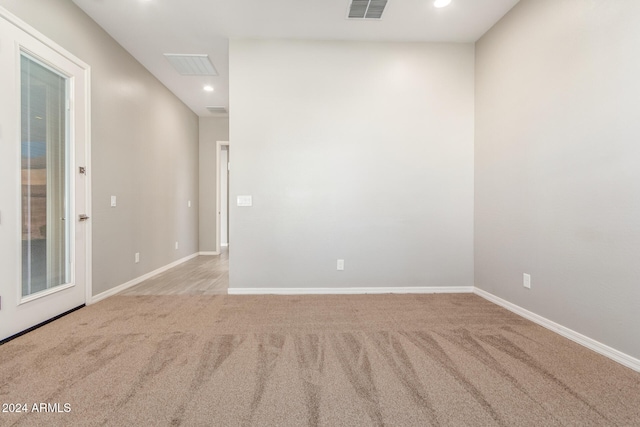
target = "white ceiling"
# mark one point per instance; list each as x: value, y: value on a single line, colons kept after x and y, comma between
x: 150, y: 28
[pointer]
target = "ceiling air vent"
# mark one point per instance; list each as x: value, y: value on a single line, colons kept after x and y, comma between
x: 366, y: 9
x: 217, y: 110
x: 192, y: 65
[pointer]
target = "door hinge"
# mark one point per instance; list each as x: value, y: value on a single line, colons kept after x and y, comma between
x: 82, y: 170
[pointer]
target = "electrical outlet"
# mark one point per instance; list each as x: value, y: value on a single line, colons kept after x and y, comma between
x: 526, y: 280
x: 340, y: 265
x: 176, y: 245
x: 137, y: 257
x: 113, y: 201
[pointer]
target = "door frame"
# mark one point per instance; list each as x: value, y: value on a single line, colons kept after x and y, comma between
x: 219, y: 145
x: 86, y: 70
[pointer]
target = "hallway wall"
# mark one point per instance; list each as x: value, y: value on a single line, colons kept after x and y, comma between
x: 144, y: 150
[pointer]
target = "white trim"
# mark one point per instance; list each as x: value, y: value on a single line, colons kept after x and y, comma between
x: 219, y: 145
x: 19, y: 23
x: 224, y: 244
x: 44, y: 293
x: 208, y: 253
x: 598, y: 347
x: 88, y: 190
x: 353, y: 291
x: 140, y: 279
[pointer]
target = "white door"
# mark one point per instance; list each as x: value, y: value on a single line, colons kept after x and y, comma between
x: 224, y: 198
x: 43, y: 143
x: 222, y: 194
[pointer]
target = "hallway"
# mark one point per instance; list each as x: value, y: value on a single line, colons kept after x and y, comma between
x: 202, y: 275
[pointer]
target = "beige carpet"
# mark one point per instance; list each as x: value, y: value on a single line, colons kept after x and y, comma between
x: 367, y: 360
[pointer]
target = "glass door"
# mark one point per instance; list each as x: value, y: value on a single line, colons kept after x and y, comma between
x: 44, y: 173
x: 44, y: 198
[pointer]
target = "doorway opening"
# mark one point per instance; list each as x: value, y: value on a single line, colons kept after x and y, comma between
x: 223, y: 162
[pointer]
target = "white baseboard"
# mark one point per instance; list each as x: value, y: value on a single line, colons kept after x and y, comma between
x: 208, y: 253
x: 352, y: 291
x: 598, y: 347
x: 140, y: 279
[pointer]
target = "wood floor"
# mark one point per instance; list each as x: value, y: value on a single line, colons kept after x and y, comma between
x: 202, y: 275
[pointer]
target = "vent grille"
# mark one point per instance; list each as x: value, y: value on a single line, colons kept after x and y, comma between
x: 366, y: 9
x: 217, y: 110
x: 192, y: 65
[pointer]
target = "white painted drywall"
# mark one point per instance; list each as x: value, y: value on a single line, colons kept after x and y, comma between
x: 396, y: 203
x: 557, y: 174
x: 144, y: 150
x: 212, y: 129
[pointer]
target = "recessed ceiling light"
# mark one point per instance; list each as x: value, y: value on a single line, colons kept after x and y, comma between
x: 208, y: 88
x: 441, y: 3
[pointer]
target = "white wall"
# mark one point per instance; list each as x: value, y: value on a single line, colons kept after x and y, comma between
x: 144, y: 150
x: 212, y: 129
x: 558, y: 164
x: 360, y: 151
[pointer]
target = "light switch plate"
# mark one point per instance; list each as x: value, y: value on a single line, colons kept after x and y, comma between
x: 113, y: 201
x: 244, y: 201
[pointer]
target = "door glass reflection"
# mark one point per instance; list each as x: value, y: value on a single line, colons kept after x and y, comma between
x: 45, y: 184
